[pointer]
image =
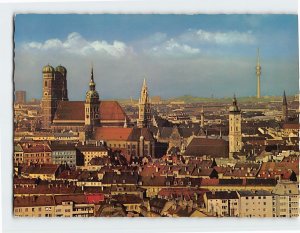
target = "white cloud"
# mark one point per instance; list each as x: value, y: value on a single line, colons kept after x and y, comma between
x: 223, y: 38
x: 172, y: 47
x: 76, y: 44
x: 192, y: 41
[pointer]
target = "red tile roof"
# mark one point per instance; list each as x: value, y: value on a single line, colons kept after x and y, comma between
x: 70, y: 110
x: 294, y: 126
x: 33, y: 201
x: 206, y: 146
x: 122, y: 134
x: 94, y: 198
x: 111, y: 110
x: 272, y: 169
x: 40, y: 169
x: 35, y: 147
x: 111, y: 133
x: 74, y: 110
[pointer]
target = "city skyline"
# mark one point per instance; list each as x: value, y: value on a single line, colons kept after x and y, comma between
x: 201, y: 54
x: 79, y: 154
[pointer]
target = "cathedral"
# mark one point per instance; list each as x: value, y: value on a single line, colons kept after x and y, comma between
x: 58, y: 113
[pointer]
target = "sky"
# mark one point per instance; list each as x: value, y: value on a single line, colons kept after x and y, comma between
x: 198, y: 55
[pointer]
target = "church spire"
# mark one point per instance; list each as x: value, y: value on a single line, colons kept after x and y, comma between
x: 284, y: 107
x: 284, y: 101
x: 144, y: 107
x: 234, y: 107
x: 234, y: 100
x: 92, y: 82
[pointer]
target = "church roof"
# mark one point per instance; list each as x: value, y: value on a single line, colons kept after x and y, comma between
x: 70, y: 110
x: 74, y: 111
x: 206, y: 146
x: 122, y: 134
x: 111, y: 110
x: 111, y: 133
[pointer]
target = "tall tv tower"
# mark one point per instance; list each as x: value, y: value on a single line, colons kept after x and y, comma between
x: 258, y: 73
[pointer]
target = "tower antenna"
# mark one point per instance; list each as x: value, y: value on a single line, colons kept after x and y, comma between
x: 258, y: 73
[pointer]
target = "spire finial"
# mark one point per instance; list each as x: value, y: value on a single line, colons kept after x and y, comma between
x: 92, y: 83
x: 234, y: 100
x: 92, y: 71
x: 258, y: 56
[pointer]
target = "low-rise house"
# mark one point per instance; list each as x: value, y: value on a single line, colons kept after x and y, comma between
x: 127, y: 189
x: 281, y: 171
x: 286, y: 194
x: 238, y: 184
x: 43, y: 188
x: 39, y: 153
x: 90, y: 151
x: 18, y: 154
x: 222, y: 203
x: 242, y: 170
x: 156, y: 207
x: 122, y: 178
x: 41, y: 171
x: 34, y: 206
x: 256, y: 203
x: 131, y: 202
x: 65, y: 154
x: 153, y: 184
x: 72, y: 205
x: 78, y: 205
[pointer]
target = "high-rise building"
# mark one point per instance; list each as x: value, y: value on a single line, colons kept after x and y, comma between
x: 144, y: 108
x: 235, y: 128
x: 284, y: 108
x: 20, y: 97
x: 258, y: 73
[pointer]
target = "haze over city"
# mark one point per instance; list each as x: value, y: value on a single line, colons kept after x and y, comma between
x: 199, y: 55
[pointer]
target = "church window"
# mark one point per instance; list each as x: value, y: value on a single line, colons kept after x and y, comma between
x: 46, y: 83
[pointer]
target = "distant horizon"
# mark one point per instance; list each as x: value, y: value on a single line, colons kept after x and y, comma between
x: 180, y: 97
x: 197, y: 55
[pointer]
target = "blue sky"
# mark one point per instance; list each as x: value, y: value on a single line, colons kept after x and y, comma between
x: 197, y: 55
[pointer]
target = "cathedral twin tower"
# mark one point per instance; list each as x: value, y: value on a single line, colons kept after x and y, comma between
x: 56, y: 107
x: 54, y: 90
